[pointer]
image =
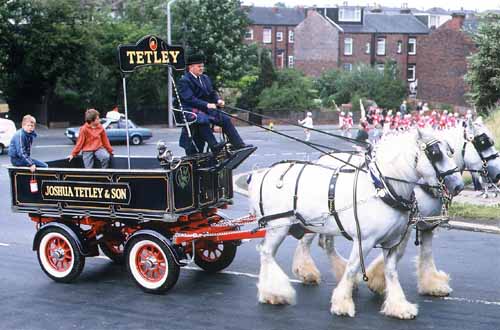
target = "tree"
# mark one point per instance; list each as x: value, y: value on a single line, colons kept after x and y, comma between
x: 483, y: 76
x: 216, y: 29
x: 250, y: 95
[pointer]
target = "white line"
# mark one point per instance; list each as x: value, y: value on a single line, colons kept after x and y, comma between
x: 54, y: 146
x: 268, y: 155
x: 473, y: 301
x: 4, y: 244
x: 287, y: 153
x: 301, y: 153
x: 234, y: 273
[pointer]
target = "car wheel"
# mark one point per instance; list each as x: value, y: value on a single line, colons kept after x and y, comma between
x: 136, y: 140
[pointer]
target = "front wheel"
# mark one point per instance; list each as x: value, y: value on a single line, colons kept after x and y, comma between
x: 151, y: 264
x: 214, y: 256
x: 59, y: 256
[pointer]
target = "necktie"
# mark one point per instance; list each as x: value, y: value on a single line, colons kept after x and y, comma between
x: 201, y: 82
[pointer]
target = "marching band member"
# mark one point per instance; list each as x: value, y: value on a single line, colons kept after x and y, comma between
x: 307, y: 123
x: 342, y: 121
x: 443, y: 121
x: 348, y: 124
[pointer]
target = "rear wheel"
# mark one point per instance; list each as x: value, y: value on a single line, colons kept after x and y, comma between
x: 136, y: 140
x: 59, y: 256
x: 114, y: 251
x: 214, y: 256
x: 151, y: 264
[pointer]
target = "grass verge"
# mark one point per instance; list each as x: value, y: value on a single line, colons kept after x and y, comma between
x: 474, y: 211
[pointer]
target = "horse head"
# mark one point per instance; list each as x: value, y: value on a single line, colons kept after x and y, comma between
x: 435, y: 163
x: 483, y: 141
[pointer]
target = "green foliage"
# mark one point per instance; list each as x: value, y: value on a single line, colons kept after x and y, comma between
x: 387, y: 89
x: 355, y: 103
x: 483, y: 76
x: 215, y: 28
x: 250, y: 95
x: 291, y: 91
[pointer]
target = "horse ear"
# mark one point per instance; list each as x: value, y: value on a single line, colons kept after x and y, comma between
x: 420, y: 134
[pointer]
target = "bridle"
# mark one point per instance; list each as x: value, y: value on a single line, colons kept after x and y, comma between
x: 434, y: 155
x: 481, y: 143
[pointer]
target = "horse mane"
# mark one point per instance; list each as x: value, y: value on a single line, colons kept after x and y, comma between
x: 396, y: 154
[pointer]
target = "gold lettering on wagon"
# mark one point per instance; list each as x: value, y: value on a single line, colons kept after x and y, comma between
x: 86, y: 192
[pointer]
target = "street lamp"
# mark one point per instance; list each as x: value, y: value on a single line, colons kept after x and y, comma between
x: 169, y: 41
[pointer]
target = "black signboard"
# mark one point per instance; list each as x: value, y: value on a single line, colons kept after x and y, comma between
x: 150, y: 50
x: 95, y: 192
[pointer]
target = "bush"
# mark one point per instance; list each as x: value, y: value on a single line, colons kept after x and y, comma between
x: 387, y: 89
x: 291, y: 91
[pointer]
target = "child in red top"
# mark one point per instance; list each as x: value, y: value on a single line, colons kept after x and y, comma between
x: 92, y: 141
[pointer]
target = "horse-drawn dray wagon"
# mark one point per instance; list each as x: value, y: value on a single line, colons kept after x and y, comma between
x: 156, y: 216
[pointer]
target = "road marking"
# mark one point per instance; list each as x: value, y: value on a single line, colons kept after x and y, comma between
x: 269, y: 155
x: 234, y: 273
x: 4, y: 244
x: 287, y: 153
x: 473, y: 301
x: 54, y: 146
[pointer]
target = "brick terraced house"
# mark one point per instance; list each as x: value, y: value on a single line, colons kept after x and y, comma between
x: 442, y: 61
x: 274, y: 28
x: 370, y: 38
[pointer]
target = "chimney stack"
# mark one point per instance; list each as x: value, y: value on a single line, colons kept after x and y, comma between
x: 457, y: 21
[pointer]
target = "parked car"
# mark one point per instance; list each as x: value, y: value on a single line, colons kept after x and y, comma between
x: 7, y: 130
x: 116, y: 131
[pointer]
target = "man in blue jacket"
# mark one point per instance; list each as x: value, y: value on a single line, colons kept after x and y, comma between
x: 197, y: 95
x: 20, y: 145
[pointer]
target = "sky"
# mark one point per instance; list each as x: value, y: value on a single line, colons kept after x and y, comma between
x: 419, y: 4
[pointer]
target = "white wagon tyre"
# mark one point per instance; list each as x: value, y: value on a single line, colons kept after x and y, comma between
x: 59, y: 256
x: 151, y: 264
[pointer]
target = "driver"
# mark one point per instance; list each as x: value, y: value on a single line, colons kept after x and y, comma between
x: 197, y: 95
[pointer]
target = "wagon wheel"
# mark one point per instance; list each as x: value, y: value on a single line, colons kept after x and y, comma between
x: 114, y: 251
x: 214, y: 256
x: 151, y: 264
x: 59, y: 256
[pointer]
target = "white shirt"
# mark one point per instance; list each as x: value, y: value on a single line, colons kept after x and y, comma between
x: 114, y: 115
x: 307, y: 122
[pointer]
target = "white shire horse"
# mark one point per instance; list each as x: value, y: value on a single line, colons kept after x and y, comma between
x: 474, y: 151
x: 304, y: 191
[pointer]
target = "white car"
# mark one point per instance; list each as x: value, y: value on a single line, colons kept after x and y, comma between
x: 7, y: 130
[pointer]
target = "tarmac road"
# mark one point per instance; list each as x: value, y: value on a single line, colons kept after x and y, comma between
x: 104, y: 297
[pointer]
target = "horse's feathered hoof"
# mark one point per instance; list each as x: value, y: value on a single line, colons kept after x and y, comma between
x: 275, y: 299
x: 400, y: 310
x: 342, y: 305
x: 434, y: 284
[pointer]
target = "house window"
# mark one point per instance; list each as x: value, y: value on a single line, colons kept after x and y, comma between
x: 400, y: 47
x: 280, y: 63
x: 434, y: 21
x: 380, y: 67
x: 249, y: 34
x: 348, y: 46
x: 347, y: 67
x: 412, y: 46
x: 350, y: 14
x: 367, y: 48
x: 291, y: 37
x: 411, y: 72
x: 279, y: 36
x: 380, y: 46
x: 266, y: 36
x: 290, y: 61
